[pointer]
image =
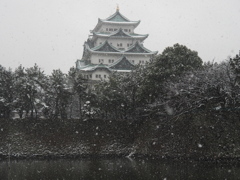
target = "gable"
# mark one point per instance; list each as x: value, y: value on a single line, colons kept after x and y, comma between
x: 106, y: 47
x: 137, y: 48
x: 118, y: 17
x: 120, y: 33
x: 122, y: 64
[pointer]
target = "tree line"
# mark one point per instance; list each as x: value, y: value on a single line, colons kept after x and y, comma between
x: 29, y: 91
x: 173, y: 83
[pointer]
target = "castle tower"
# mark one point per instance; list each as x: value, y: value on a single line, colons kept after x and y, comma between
x: 113, y: 46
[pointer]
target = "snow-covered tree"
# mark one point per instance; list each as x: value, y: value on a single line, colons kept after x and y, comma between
x: 58, y: 95
x: 119, y: 97
x: 37, y: 83
x: 173, y: 62
x: 79, y: 90
x: 29, y: 85
x: 22, y: 91
x: 235, y: 67
x: 6, y: 92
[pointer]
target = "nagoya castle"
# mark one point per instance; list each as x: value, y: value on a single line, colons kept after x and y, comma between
x: 113, y: 46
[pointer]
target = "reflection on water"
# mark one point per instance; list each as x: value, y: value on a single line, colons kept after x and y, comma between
x: 116, y: 169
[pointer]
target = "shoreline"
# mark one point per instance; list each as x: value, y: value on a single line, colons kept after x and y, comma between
x: 51, y: 157
x: 74, y: 139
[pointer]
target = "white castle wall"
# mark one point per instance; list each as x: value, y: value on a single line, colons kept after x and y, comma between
x: 97, y: 75
x: 107, y: 58
x: 119, y: 43
x: 100, y: 74
x: 116, y: 27
x: 104, y: 58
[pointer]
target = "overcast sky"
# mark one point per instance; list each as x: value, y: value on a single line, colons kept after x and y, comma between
x: 51, y: 33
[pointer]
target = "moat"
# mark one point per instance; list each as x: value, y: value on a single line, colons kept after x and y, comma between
x: 117, y: 168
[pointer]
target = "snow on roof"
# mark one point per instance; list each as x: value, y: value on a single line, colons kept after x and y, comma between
x: 105, y: 47
x: 116, y: 34
x: 93, y: 67
x: 122, y: 64
x: 121, y: 70
x: 116, y: 18
x: 138, y: 48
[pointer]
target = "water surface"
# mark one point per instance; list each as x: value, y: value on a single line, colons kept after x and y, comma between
x: 124, y: 168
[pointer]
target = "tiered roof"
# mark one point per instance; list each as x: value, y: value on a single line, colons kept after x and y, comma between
x: 137, y: 48
x: 121, y: 65
x: 116, y: 18
x: 105, y: 47
x: 94, y: 67
x: 119, y: 34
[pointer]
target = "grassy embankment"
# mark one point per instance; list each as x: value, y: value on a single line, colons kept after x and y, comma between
x: 201, y: 135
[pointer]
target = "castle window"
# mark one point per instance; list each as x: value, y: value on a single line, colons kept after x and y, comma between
x: 110, y: 29
x: 129, y: 30
x: 90, y: 76
x: 101, y: 60
x: 126, y: 30
x: 105, y: 76
x: 133, y: 61
x: 115, y: 29
x: 111, y: 60
x: 120, y: 44
x: 106, y: 29
x: 96, y: 75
